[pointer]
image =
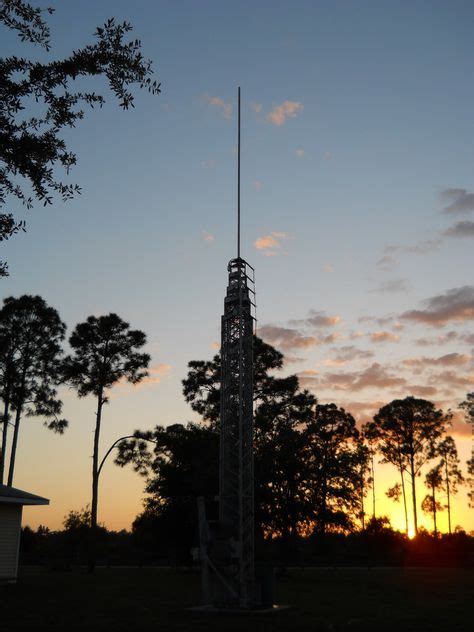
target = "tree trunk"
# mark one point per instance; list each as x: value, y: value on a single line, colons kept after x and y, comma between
x: 447, y: 492
x: 433, y: 491
x: 373, y: 486
x: 95, y: 488
x: 19, y: 409
x: 6, y: 417
x: 14, y: 445
x: 413, y: 493
x: 404, y: 499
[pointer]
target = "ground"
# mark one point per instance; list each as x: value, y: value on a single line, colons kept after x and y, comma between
x: 134, y: 599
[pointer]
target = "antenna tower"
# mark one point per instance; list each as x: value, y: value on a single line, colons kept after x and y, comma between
x: 236, y: 478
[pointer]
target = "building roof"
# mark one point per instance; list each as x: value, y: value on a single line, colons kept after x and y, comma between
x: 19, y: 497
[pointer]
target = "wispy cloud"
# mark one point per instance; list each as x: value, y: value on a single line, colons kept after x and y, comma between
x: 375, y: 376
x: 449, y: 359
x: 286, y: 338
x: 299, y: 152
x: 455, y: 305
x: 460, y: 229
x: 256, y: 107
x: 209, y: 237
x: 155, y: 375
x: 280, y: 113
x: 270, y: 245
x: 460, y: 201
x: 225, y: 108
x: 383, y: 336
x: 317, y: 319
x: 327, y: 267
x: 393, y: 285
x: 257, y: 185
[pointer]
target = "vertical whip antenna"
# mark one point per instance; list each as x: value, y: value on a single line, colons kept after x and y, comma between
x: 238, y: 174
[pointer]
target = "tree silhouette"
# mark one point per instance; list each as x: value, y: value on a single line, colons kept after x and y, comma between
x: 468, y: 406
x: 408, y: 430
x: 104, y: 351
x: 364, y: 468
x: 434, y: 482
x: 31, y: 148
x: 280, y: 408
x: 392, y: 452
x: 451, y: 472
x: 31, y: 334
x: 333, y: 484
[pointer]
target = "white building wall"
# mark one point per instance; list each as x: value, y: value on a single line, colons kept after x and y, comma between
x: 10, y: 525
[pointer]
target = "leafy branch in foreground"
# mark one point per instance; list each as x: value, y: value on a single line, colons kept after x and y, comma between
x: 31, y: 148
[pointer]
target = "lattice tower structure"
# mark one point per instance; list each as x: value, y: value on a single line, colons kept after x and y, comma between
x: 236, y: 477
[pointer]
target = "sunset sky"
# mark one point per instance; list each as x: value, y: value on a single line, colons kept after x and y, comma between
x: 357, y: 205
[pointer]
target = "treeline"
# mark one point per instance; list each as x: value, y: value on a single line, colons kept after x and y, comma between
x: 376, y: 545
x: 314, y: 469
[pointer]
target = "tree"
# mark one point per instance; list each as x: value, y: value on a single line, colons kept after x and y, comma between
x: 391, y: 452
x: 31, y: 333
x: 364, y: 468
x: 408, y: 431
x: 434, y: 482
x: 104, y: 351
x: 333, y: 479
x: 450, y: 466
x: 371, y: 447
x: 182, y: 466
x: 281, y: 410
x: 31, y: 148
x: 468, y: 406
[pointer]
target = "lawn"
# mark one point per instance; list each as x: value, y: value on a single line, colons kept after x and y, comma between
x: 129, y: 599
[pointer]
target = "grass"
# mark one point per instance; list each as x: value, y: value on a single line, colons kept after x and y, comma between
x: 133, y: 599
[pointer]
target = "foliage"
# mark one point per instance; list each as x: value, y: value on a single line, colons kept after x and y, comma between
x: 31, y: 333
x: 104, y: 351
x: 407, y: 432
x: 31, y: 147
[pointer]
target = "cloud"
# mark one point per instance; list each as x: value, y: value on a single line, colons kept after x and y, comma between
x: 299, y: 152
x: 375, y: 376
x: 225, y: 108
x: 438, y: 340
x: 257, y: 185
x: 270, y: 244
x: 349, y: 353
x: 155, y: 375
x: 460, y: 201
x: 387, y: 262
x: 449, y: 359
x: 380, y: 320
x: 450, y: 378
x: 383, y: 336
x: 288, y: 109
x: 460, y: 229
x: 328, y: 156
x: 286, y: 338
x: 209, y: 237
x: 328, y: 268
x: 423, y: 247
x: 215, y: 345
x: 317, y: 319
x: 256, y: 107
x: 419, y: 390
x: 394, y: 285
x: 456, y: 305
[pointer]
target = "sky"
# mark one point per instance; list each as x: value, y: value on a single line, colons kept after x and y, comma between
x: 357, y: 214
